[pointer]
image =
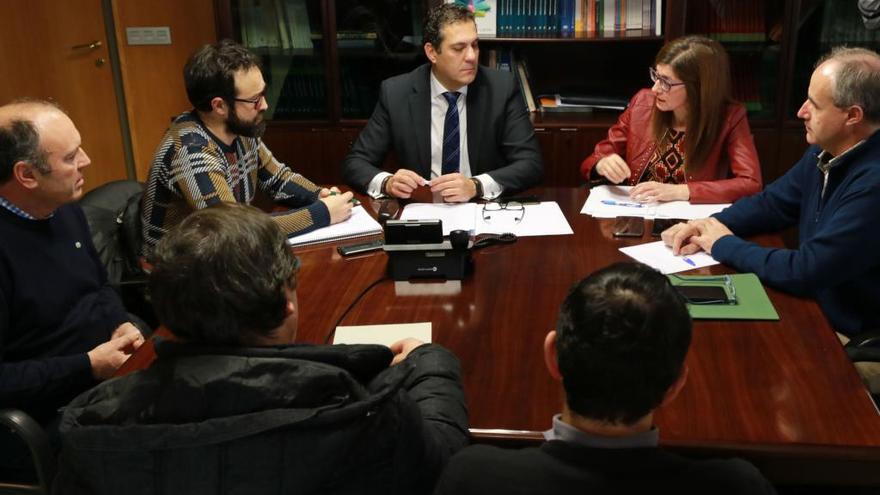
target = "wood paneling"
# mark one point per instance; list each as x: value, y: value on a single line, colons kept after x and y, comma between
x: 39, y: 61
x: 792, y: 144
x: 152, y: 75
x: 767, y: 144
x: 301, y: 149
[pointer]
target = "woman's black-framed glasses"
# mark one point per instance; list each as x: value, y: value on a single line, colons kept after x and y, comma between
x: 665, y: 85
x: 495, y: 207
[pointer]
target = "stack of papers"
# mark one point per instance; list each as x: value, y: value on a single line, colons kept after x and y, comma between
x: 659, y: 256
x: 614, y: 201
x: 360, y: 224
x: 544, y: 218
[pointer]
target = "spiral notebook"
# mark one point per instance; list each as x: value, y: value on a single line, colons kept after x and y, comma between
x: 361, y: 224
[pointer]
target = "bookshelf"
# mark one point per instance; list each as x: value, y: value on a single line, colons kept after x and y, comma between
x: 324, y: 85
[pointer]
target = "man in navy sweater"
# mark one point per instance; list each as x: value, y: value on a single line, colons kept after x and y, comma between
x: 62, y: 327
x: 832, y: 195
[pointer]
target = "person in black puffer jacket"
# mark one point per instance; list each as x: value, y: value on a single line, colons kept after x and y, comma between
x: 232, y: 407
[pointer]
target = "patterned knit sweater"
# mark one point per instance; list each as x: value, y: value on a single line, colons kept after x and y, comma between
x: 193, y: 169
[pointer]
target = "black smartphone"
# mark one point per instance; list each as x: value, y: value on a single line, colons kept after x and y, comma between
x: 360, y: 248
x: 704, y: 294
x: 629, y: 227
x: 661, y: 224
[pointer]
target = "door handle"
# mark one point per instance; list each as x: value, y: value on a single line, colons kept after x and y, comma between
x: 91, y: 46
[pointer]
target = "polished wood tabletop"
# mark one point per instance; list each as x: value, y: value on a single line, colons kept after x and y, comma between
x: 780, y: 393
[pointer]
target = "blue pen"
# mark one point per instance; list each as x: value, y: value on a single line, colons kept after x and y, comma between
x: 689, y: 261
x: 620, y: 203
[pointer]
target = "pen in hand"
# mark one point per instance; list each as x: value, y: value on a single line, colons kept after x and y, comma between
x: 353, y: 201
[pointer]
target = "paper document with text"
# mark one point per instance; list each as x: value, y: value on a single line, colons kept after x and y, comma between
x: 545, y: 218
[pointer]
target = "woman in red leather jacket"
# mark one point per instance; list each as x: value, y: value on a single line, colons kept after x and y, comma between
x: 685, y: 138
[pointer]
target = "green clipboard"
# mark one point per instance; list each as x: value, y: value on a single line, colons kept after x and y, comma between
x: 752, y: 301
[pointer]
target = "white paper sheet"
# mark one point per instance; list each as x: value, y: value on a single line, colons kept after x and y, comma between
x: 545, y: 218
x: 658, y: 255
x: 382, y: 334
x: 358, y: 225
x: 614, y: 201
x: 454, y: 216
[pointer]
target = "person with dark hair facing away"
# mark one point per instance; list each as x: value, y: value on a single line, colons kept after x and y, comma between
x: 830, y: 195
x: 456, y: 127
x: 232, y: 406
x: 685, y: 138
x: 618, y: 349
x: 62, y: 327
x: 214, y: 153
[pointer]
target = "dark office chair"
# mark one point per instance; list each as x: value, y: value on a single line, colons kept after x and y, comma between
x: 23, y: 428
x: 864, y: 347
x: 113, y: 212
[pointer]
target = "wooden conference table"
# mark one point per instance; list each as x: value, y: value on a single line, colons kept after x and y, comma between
x: 780, y: 393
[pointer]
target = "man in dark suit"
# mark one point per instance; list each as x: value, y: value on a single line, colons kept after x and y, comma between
x: 456, y: 127
x: 619, y: 349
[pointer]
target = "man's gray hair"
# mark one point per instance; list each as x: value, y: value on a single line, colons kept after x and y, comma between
x: 856, y: 80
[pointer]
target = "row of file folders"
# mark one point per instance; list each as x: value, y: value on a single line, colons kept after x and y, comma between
x: 565, y: 18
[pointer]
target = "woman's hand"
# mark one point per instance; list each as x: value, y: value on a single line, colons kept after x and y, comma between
x: 650, y: 192
x: 613, y: 168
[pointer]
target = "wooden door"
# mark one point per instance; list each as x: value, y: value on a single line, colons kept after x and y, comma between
x: 46, y: 53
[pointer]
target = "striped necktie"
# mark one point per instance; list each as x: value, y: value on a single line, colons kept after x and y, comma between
x: 451, y: 141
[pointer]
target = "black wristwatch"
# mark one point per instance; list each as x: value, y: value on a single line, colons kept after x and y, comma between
x: 479, y: 186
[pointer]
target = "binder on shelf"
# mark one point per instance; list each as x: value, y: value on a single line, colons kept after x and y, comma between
x: 633, y: 15
x: 657, y: 17
x: 299, y: 29
x: 580, y: 103
x: 567, y: 18
x: 524, y: 85
x: 608, y: 102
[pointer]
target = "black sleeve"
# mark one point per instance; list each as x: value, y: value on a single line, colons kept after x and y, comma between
x: 38, y: 386
x: 433, y: 416
x: 467, y: 474
x: 519, y: 148
x: 736, y: 476
x: 369, y: 149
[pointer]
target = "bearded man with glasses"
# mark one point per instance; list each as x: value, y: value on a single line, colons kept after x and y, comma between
x: 214, y: 153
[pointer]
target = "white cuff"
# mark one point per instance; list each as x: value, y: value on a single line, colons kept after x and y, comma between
x: 374, y: 188
x: 491, y: 188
